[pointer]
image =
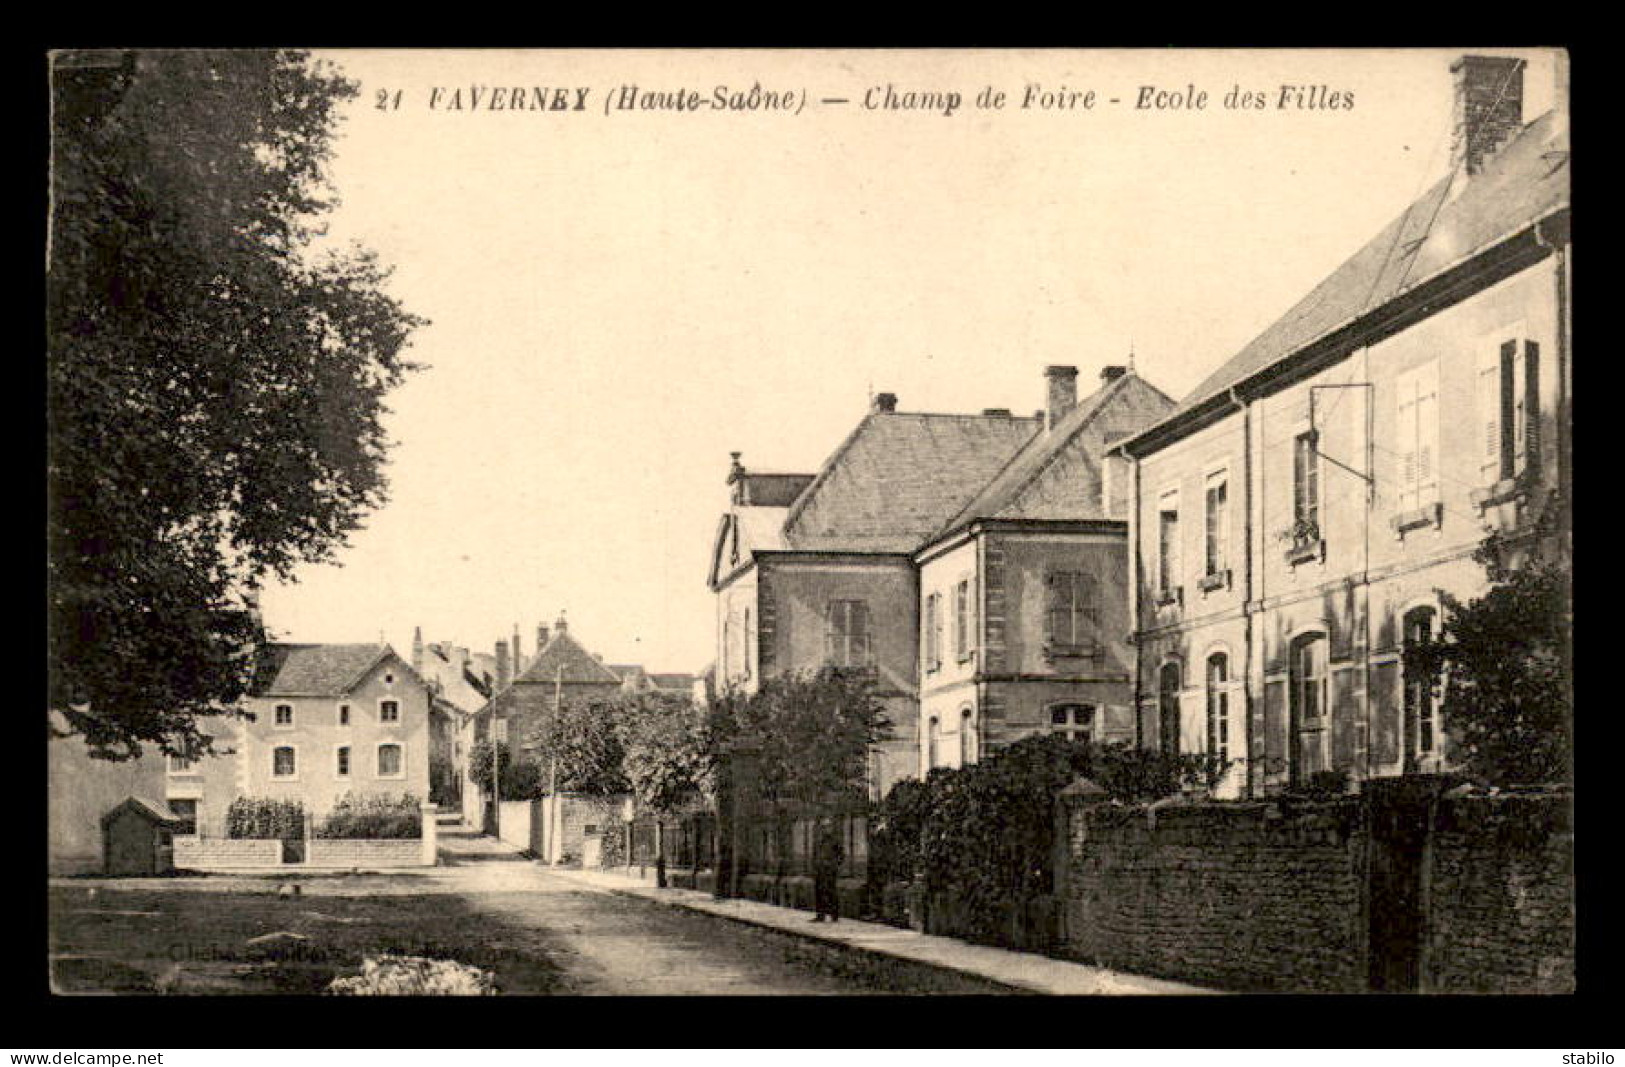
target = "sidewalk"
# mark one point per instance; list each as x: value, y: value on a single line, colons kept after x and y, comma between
x: 1019, y: 970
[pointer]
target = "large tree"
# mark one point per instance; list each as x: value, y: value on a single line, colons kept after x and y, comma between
x: 215, y: 381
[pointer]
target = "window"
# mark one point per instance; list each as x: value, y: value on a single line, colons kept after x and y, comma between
x: 342, y: 765
x: 1421, y: 712
x: 966, y: 737
x: 1418, y: 399
x: 1509, y: 410
x: 933, y: 631
x: 284, y: 764
x: 1308, y: 678
x: 1217, y: 528
x: 389, y: 761
x: 1305, y: 489
x: 1168, y: 546
x: 389, y: 679
x: 744, y: 668
x: 1168, y: 684
x: 962, y: 620
x: 846, y: 633
x: 389, y: 711
x: 1072, y: 721
x: 186, y: 811
x: 933, y: 741
x: 344, y: 714
x: 283, y: 716
x: 179, y: 766
x: 1218, y: 705
x: 1071, y: 616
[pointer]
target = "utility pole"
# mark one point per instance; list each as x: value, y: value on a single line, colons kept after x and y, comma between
x: 553, y: 766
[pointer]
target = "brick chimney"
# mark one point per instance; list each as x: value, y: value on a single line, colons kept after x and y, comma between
x: 561, y: 627
x: 541, y: 637
x: 518, y: 657
x: 1488, y: 108
x: 1110, y: 373
x: 504, y: 674
x: 1063, y: 393
x: 885, y: 402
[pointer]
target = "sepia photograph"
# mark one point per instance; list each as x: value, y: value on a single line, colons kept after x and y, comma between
x: 736, y: 522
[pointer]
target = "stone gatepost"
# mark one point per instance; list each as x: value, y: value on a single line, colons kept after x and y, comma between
x: 1072, y: 806
x: 431, y: 835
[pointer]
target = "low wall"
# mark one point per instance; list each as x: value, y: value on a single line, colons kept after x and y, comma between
x: 367, y: 854
x: 226, y: 853
x: 1501, y: 896
x: 1237, y: 896
x: 1279, y: 895
x: 520, y: 824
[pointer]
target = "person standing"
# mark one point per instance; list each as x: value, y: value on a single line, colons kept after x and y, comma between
x: 827, y: 857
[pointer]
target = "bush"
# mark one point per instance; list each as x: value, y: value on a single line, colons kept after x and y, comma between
x: 266, y: 818
x: 521, y: 779
x: 373, y: 818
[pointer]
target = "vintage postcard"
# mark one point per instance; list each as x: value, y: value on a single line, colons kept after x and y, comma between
x: 840, y: 522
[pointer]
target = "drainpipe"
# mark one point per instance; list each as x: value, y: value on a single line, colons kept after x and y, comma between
x: 1560, y: 279
x: 1134, y: 594
x: 1247, y: 582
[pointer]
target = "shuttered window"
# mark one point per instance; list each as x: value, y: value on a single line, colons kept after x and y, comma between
x: 1418, y: 399
x: 1509, y: 410
x: 846, y: 633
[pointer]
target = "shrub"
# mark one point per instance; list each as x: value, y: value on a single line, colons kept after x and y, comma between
x: 373, y: 818
x: 265, y: 818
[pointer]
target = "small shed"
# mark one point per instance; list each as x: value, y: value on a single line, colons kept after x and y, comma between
x: 138, y: 838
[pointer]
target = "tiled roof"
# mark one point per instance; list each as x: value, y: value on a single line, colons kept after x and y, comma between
x: 1031, y: 486
x: 684, y: 682
x: 564, y: 654
x: 1527, y: 180
x: 898, y: 477
x: 314, y: 670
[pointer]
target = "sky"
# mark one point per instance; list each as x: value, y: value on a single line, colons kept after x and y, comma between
x: 618, y: 299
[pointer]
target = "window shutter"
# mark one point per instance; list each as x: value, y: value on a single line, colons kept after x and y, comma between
x: 1409, y: 457
x: 1489, y: 415
x: 1427, y: 434
x: 1517, y: 404
x: 1052, y: 631
x: 1530, y: 392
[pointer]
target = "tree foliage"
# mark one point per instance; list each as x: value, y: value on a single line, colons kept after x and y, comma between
x: 665, y: 760
x: 807, y: 736
x: 215, y: 380
x: 1504, y: 661
x: 521, y: 778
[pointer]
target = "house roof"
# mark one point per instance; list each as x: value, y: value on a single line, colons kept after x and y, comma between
x: 563, y: 659
x: 315, y: 670
x: 1523, y: 183
x: 155, y: 810
x: 685, y: 682
x: 898, y: 476
x: 1021, y: 491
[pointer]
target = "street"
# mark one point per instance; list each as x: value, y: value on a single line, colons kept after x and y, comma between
x: 538, y: 932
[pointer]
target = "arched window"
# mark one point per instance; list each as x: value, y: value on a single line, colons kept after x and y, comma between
x: 932, y: 740
x: 745, y: 668
x: 1308, y: 676
x: 967, y: 752
x: 389, y: 761
x: 1218, y: 705
x: 1421, y: 711
x: 1168, y: 683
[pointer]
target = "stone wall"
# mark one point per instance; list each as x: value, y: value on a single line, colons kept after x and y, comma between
x: 1277, y: 896
x: 366, y: 854
x: 208, y: 853
x: 1502, y: 896
x: 1236, y: 896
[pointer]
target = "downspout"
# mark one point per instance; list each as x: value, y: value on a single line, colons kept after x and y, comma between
x: 1247, y: 582
x: 1560, y: 279
x: 1134, y: 594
